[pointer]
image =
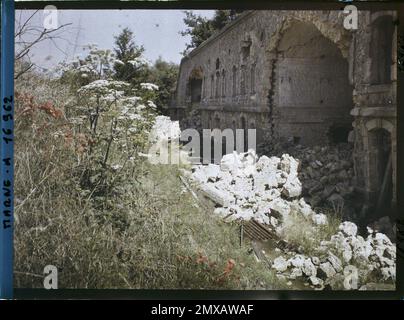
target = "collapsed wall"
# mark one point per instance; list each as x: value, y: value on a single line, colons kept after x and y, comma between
x: 268, y: 190
x: 302, y: 75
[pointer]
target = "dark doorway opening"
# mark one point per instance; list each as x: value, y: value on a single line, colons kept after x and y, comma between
x: 196, y: 90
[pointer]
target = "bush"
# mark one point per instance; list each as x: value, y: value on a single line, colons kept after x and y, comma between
x: 132, y: 226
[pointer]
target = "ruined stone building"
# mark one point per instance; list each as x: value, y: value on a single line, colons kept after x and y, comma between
x: 302, y: 75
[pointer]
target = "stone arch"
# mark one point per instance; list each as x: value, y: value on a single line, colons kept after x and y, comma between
x: 335, y: 33
x: 379, y: 124
x: 381, y: 165
x: 311, y: 91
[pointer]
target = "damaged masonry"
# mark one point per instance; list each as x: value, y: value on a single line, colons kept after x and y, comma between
x: 322, y: 100
x: 300, y: 75
x: 268, y: 191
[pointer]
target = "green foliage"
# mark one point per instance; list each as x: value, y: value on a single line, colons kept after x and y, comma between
x: 90, y: 204
x: 131, y: 67
x: 128, y: 53
x: 200, y: 28
x: 164, y: 74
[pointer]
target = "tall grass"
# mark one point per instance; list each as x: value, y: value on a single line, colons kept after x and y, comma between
x: 148, y: 233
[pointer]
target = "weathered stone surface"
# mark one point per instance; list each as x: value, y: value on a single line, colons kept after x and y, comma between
x: 327, y: 270
x: 280, y: 264
x: 348, y: 228
x: 245, y: 196
x: 319, y: 219
x: 335, y: 262
x: 316, y: 281
x: 309, y: 269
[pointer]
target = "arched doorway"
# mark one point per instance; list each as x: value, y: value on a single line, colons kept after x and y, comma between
x: 312, y: 91
x: 195, y: 85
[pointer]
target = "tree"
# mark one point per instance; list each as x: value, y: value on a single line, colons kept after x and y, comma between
x: 200, y: 28
x: 127, y: 53
x: 28, y: 34
x: 164, y: 74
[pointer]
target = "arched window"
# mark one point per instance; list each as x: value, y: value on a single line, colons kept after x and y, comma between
x: 381, y: 50
x: 212, y: 86
x: 242, y: 80
x: 223, y: 83
x: 204, y: 85
x: 234, y: 78
x: 252, y: 79
x: 217, y: 90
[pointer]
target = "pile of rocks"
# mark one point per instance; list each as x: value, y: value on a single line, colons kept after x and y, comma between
x: 164, y: 129
x: 245, y: 187
x: 326, y: 173
x: 268, y: 190
x: 346, y: 261
x: 327, y: 176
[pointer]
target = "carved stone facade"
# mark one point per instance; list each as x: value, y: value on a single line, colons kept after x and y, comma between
x: 302, y: 75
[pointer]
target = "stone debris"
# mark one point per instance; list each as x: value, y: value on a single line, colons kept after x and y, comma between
x: 268, y: 190
x: 249, y: 187
x: 164, y: 129
x: 280, y: 264
x: 348, y: 262
x: 326, y: 174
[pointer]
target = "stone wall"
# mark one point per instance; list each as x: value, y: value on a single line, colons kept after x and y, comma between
x: 301, y: 75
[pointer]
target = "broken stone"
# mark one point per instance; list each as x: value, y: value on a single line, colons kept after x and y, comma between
x: 280, y: 264
x: 315, y: 260
x: 297, y: 261
x: 348, y: 228
x: 351, y: 277
x: 230, y: 162
x: 327, y: 270
x: 305, y: 209
x: 335, y: 262
x: 319, y: 219
x: 289, y: 165
x: 220, y: 197
x: 296, y: 272
x: 347, y: 254
x: 292, y: 188
x: 281, y: 206
x: 316, y: 281
x: 309, y: 269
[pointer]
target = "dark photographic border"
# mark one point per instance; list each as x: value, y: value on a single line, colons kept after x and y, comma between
x: 234, y: 294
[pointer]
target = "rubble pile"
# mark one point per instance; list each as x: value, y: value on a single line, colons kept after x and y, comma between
x: 164, y: 129
x: 245, y: 187
x: 327, y: 175
x: 346, y: 261
x: 268, y: 190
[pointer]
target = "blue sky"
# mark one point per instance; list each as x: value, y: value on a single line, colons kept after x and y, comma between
x: 157, y: 30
